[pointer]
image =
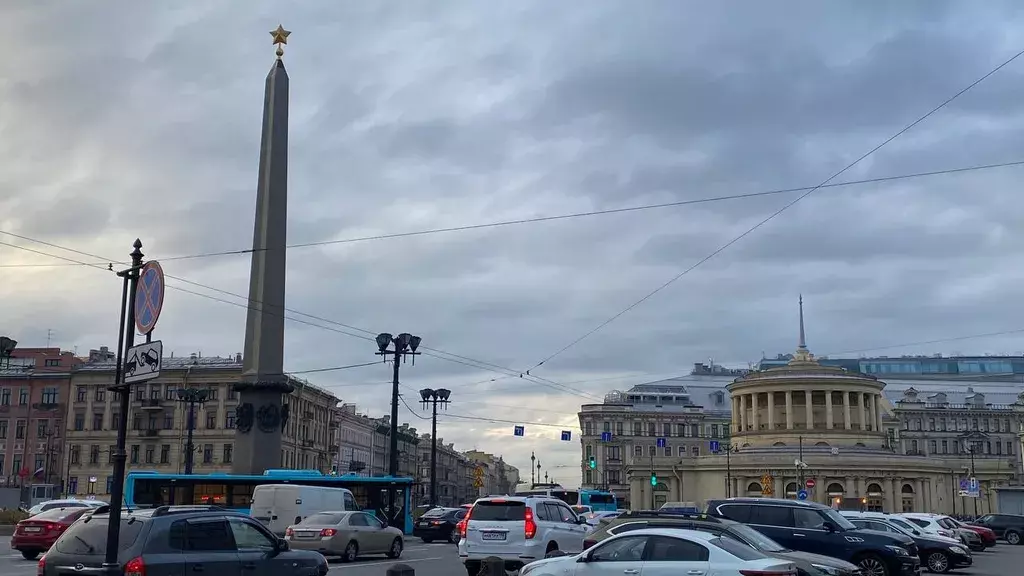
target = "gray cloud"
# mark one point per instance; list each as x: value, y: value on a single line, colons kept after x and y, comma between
x: 407, y: 118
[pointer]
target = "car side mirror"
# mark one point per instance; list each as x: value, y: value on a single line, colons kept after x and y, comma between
x: 581, y: 520
x: 282, y: 545
x: 829, y: 527
x: 916, y: 532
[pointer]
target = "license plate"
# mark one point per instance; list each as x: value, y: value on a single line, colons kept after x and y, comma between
x: 308, y: 534
x: 33, y: 529
x: 424, y: 523
x: 493, y: 535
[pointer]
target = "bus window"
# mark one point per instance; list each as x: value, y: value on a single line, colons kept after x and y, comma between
x: 570, y: 497
x: 602, y: 499
x: 240, y: 495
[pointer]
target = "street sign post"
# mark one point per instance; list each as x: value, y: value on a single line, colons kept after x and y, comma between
x: 660, y: 442
x: 519, y: 431
x: 566, y: 435
x: 149, y: 300
x: 714, y: 446
x: 802, y: 494
x: 143, y: 362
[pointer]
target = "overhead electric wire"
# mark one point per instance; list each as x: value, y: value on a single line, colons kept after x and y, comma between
x: 433, y: 352
x: 772, y: 216
x: 557, y: 217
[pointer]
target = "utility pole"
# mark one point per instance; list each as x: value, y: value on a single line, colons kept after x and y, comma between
x: 974, y: 478
x: 435, y: 397
x: 405, y: 344
x: 191, y: 396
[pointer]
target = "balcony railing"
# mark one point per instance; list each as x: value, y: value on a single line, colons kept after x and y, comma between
x: 151, y: 403
x: 47, y: 406
x: 150, y: 432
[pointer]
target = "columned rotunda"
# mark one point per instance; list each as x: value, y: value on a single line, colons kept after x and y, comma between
x: 802, y: 427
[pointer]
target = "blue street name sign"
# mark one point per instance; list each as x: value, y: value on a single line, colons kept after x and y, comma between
x: 519, y: 431
x: 661, y: 442
x: 714, y: 446
x: 802, y: 494
x: 606, y: 436
x: 566, y: 435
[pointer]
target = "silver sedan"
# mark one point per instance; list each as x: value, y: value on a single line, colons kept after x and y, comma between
x: 345, y: 534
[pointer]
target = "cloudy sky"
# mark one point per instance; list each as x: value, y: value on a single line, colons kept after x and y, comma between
x: 122, y: 119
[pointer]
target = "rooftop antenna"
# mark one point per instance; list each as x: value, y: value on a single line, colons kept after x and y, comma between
x: 49, y: 336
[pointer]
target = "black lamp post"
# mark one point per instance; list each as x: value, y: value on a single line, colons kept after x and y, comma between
x: 191, y: 396
x: 405, y: 344
x: 533, y: 459
x: 7, y: 346
x: 435, y: 397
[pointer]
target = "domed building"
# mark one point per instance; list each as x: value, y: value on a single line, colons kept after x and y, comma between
x: 802, y: 430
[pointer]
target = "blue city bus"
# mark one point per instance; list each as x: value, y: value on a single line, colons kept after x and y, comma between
x: 149, y: 489
x: 599, y: 500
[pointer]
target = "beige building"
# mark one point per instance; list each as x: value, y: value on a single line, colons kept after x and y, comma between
x: 408, y: 443
x: 158, y: 422
x: 452, y: 470
x: 498, y: 477
x: 354, y: 437
x: 805, y: 422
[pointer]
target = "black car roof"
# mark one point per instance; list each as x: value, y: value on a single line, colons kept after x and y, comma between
x: 772, y: 501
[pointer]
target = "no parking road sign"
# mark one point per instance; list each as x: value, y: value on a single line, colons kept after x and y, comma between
x: 149, y: 299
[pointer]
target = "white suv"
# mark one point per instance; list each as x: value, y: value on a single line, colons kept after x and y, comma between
x: 519, y: 530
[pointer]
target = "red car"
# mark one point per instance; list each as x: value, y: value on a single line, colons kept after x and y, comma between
x: 987, y: 535
x: 35, y: 535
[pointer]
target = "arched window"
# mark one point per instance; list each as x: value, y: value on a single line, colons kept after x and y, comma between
x: 835, y: 488
x: 779, y: 444
x: 792, y: 488
x: 754, y: 487
x: 907, y: 489
x: 821, y: 444
x: 874, y: 489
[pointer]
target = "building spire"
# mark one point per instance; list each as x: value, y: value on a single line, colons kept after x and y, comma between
x: 802, y: 353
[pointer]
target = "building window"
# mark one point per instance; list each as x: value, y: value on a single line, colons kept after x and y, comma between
x: 100, y: 395
x: 607, y: 427
x: 110, y: 484
x: 668, y: 450
x: 73, y: 485
x: 229, y: 420
x: 695, y: 451
x: 651, y: 450
x: 931, y: 424
x: 913, y: 446
x: 76, y: 454
x: 589, y: 450
x: 208, y: 454
x: 154, y: 393
x: 136, y: 422
x: 5, y: 397
x: 115, y: 418
x: 140, y: 393
x: 134, y: 454
x: 619, y: 428
x: 165, y: 454
x: 3, y: 429
x: 638, y: 451
x: 19, y: 430
x: 171, y: 392
x: 1009, y: 448
x: 49, y: 396
x: 149, y: 454
x: 931, y: 447
x: 637, y: 430
x: 232, y: 394
x: 652, y: 429
x: 212, y: 392
x: 41, y: 428
x: 51, y: 362
x: 80, y: 394
x: 110, y: 454
x: 226, y: 459
x: 999, y: 448
x: 211, y: 420
x: 97, y: 421
x: 666, y: 429
x: 23, y: 397
x: 612, y: 476
x: 151, y: 425
x: 589, y: 477
x: 168, y: 420
x: 945, y: 447
x: 588, y: 428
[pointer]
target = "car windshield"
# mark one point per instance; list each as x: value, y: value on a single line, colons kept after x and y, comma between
x: 498, y: 511
x: 754, y: 538
x: 89, y: 537
x: 838, y: 519
x: 435, y: 512
x: 322, y: 518
x: 55, y: 514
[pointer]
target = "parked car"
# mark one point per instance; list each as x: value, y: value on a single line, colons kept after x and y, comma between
x: 178, y: 540
x: 36, y: 534
x: 346, y: 535
x: 813, y: 527
x: 938, y: 555
x: 987, y: 535
x: 519, y: 530
x: 439, y: 524
x: 664, y: 552
x: 1010, y: 527
x: 64, y: 503
x: 807, y: 564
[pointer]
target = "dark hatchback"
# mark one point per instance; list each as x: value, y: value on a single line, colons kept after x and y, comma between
x: 807, y: 564
x: 439, y: 524
x: 812, y: 527
x: 938, y: 556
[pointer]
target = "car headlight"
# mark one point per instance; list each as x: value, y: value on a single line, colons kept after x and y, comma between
x: 830, y: 570
x: 958, y: 550
x: 898, y: 551
x: 526, y: 570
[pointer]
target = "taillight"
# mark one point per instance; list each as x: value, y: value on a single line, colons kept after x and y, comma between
x: 464, y: 523
x: 289, y: 532
x: 135, y: 567
x: 328, y: 532
x: 435, y: 523
x: 588, y: 543
x: 530, y: 526
x: 41, y: 566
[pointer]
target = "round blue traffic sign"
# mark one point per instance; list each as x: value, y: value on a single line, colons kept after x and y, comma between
x: 802, y: 494
x: 149, y: 298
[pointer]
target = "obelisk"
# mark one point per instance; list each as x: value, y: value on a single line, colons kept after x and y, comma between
x: 261, y: 415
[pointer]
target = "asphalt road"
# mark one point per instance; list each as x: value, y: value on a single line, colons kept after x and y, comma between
x: 442, y: 560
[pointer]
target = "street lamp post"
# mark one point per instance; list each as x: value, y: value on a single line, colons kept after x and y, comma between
x: 405, y: 344
x: 435, y: 397
x: 191, y: 396
x: 533, y: 460
x: 970, y: 442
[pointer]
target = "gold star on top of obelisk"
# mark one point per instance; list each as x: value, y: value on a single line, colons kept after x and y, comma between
x: 280, y: 36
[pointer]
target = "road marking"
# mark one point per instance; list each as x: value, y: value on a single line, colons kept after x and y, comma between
x: 389, y: 562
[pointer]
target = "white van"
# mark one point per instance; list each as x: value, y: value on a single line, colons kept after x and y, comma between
x: 279, y: 506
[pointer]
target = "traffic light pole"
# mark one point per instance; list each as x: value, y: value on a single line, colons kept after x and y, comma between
x: 654, y: 481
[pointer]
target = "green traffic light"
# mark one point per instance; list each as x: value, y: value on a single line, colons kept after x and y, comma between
x: 593, y: 463
x: 654, y: 480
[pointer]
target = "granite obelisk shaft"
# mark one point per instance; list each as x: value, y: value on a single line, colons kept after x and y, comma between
x: 263, y: 382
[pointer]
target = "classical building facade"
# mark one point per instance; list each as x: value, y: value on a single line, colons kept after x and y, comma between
x: 408, y: 446
x: 496, y: 475
x: 660, y: 419
x: 452, y: 471
x: 804, y: 421
x: 33, y: 402
x: 158, y: 422
x: 354, y: 437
